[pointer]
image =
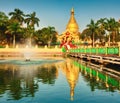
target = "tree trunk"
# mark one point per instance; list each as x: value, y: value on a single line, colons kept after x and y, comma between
x: 30, y: 42
x: 109, y: 40
x: 93, y: 40
x: 49, y: 42
x: 13, y: 41
x: 113, y: 36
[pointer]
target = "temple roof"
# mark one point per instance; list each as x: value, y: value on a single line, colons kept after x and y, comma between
x: 72, y: 24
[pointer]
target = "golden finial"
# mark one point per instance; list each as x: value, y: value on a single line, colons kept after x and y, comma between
x: 72, y: 11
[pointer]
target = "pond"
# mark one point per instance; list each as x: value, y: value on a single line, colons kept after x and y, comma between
x: 59, y: 80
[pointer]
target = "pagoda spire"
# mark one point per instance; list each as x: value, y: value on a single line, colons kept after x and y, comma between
x: 72, y: 25
x: 72, y: 11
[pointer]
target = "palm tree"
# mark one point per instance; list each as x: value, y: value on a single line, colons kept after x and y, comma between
x: 52, y: 32
x: 17, y: 16
x: 118, y: 31
x: 93, y: 27
x: 3, y: 25
x: 110, y: 27
x: 101, y: 28
x: 43, y: 35
x: 85, y: 36
x: 46, y: 35
x: 101, y: 24
x: 31, y: 20
x: 116, y: 26
x: 13, y: 29
x: 3, y: 18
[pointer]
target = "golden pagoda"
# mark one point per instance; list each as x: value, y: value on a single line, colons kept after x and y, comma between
x: 72, y: 25
x: 72, y: 30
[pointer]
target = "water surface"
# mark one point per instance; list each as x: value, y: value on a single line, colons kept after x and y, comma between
x: 56, y: 81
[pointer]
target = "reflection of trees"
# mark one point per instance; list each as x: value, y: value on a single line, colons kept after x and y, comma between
x: 92, y: 82
x: 9, y: 81
x: 15, y: 89
x: 20, y: 81
x: 18, y: 85
x: 98, y: 84
x: 47, y: 75
x: 2, y: 82
x: 98, y: 79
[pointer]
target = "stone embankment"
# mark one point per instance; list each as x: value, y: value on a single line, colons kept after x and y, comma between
x: 32, y: 52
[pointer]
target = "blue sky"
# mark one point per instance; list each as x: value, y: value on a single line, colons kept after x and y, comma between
x: 57, y: 12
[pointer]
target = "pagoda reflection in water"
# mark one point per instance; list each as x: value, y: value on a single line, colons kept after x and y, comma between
x: 72, y: 74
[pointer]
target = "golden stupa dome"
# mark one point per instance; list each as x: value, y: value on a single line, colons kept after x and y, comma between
x: 72, y: 25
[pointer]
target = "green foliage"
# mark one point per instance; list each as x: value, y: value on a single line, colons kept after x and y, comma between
x: 3, y: 25
x: 103, y: 29
x: 47, y: 36
x: 13, y: 28
x: 17, y: 15
x: 64, y: 49
x: 14, y: 25
x: 2, y: 46
x: 31, y: 19
x: 93, y: 27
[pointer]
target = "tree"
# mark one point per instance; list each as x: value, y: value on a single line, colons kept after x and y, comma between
x: 109, y: 26
x: 31, y: 20
x: 3, y: 18
x: 101, y: 30
x: 115, y: 31
x: 13, y: 28
x: 51, y: 34
x: 46, y: 35
x: 86, y: 33
x: 3, y: 25
x: 17, y: 16
x: 93, y: 27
